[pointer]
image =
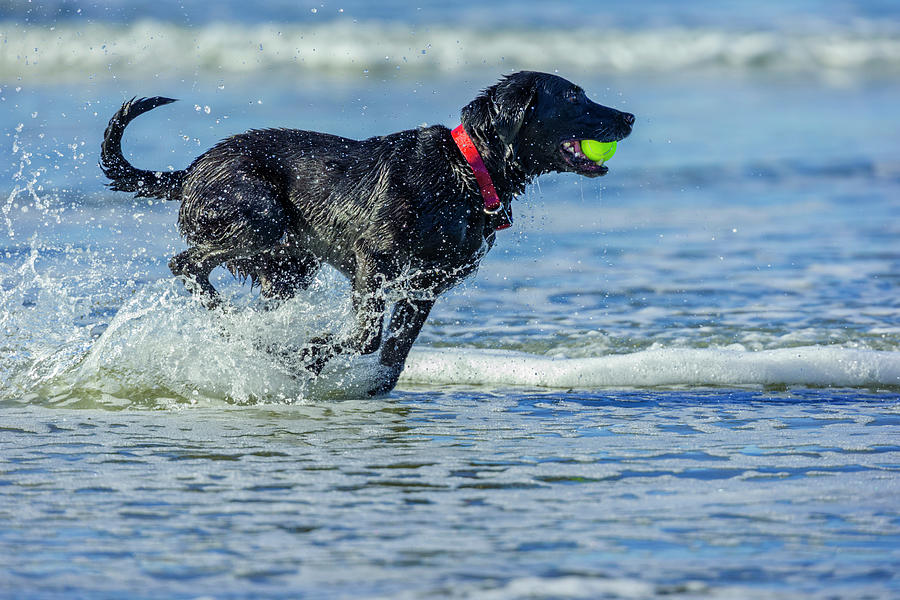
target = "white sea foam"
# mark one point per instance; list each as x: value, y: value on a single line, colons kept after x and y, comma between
x: 810, y: 366
x: 96, y: 50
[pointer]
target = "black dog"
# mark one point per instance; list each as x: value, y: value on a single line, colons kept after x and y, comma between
x: 405, y: 209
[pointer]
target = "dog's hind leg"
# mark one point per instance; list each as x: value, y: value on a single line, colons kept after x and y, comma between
x: 232, y: 221
x: 284, y: 270
x: 193, y: 266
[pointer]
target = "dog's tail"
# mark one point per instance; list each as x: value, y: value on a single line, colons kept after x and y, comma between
x: 125, y: 177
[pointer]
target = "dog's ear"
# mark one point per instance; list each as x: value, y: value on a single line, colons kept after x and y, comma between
x: 477, y: 114
x: 501, y: 107
x: 511, y: 100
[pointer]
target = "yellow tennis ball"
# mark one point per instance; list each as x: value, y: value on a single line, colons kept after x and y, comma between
x: 599, y: 152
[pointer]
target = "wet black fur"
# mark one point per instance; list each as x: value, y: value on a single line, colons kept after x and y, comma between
x: 404, y: 208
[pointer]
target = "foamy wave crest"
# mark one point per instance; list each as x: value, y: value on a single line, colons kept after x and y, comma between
x: 145, y: 48
x: 804, y: 366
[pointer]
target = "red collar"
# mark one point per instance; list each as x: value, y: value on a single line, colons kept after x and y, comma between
x: 492, y: 203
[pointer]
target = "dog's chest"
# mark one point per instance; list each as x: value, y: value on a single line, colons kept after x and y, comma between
x: 449, y: 232
x: 449, y: 252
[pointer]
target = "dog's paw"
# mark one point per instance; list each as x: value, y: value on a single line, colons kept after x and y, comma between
x: 392, y: 374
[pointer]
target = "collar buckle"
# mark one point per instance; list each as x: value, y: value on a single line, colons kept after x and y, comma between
x: 493, y: 206
x: 493, y: 210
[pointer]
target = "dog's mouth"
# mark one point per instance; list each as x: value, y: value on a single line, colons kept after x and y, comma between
x: 581, y: 164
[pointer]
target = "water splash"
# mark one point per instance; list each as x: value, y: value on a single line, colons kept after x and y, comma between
x: 25, y: 191
x: 68, y: 343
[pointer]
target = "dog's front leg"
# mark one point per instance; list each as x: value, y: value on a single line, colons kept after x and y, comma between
x: 368, y: 304
x: 406, y: 323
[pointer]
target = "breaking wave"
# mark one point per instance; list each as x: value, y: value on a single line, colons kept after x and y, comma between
x: 102, y: 50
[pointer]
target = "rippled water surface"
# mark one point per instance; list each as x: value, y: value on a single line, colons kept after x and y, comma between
x: 459, y: 494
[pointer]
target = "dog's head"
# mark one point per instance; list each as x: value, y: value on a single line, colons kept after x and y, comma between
x: 538, y: 118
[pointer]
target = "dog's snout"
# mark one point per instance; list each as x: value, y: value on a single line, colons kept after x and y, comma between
x: 628, y: 118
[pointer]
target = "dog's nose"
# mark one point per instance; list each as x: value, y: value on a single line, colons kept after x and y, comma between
x: 628, y: 118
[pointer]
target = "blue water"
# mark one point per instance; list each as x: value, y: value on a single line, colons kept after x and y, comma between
x: 679, y: 380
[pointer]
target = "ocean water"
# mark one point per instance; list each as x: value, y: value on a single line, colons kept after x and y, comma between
x: 681, y: 380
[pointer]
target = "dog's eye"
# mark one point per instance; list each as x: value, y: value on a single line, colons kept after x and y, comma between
x: 573, y: 96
